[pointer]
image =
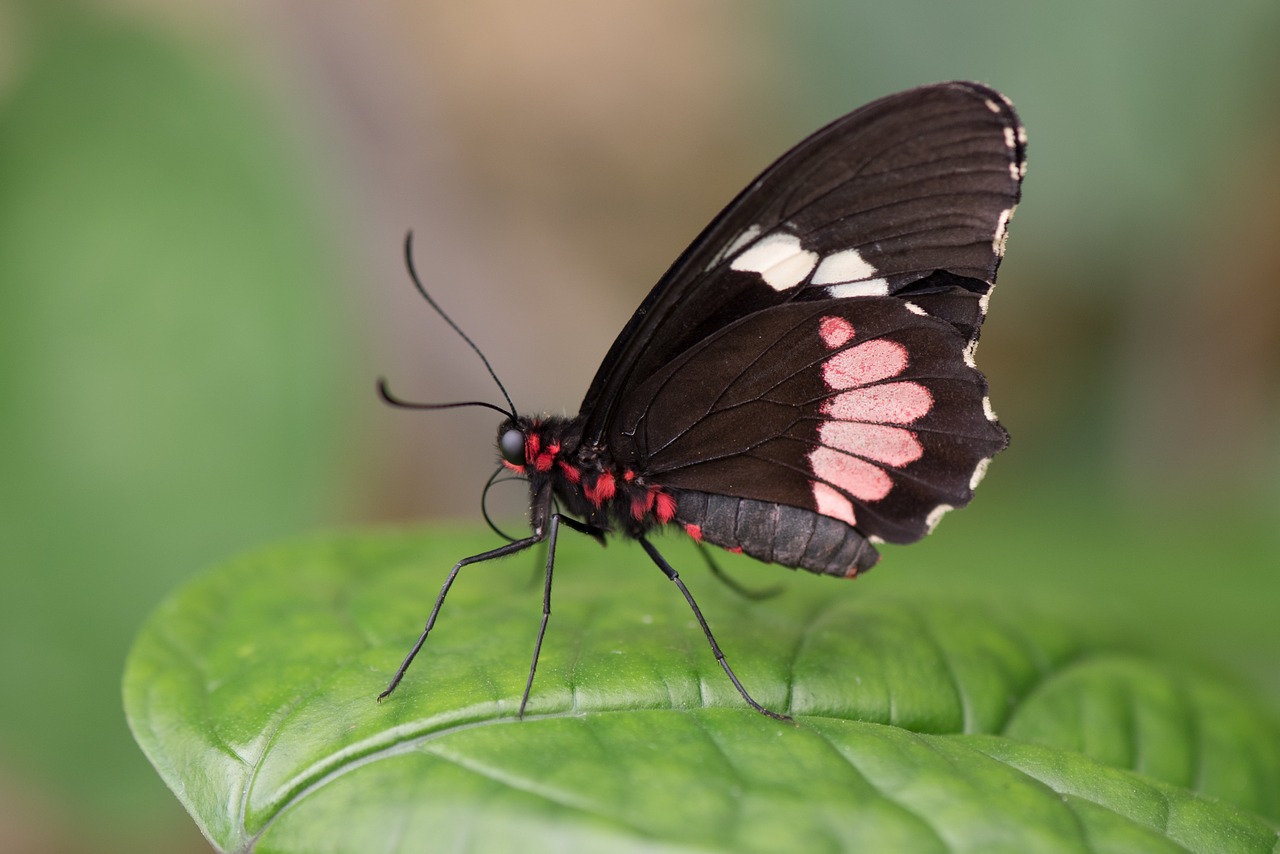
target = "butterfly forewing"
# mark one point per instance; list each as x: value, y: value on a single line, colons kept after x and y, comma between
x: 916, y: 184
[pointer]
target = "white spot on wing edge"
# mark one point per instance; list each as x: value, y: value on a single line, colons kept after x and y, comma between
x: 749, y: 234
x: 915, y: 309
x: 987, y: 410
x: 779, y: 259
x: 1002, y: 232
x: 935, y: 516
x: 868, y: 288
x: 979, y: 472
x: 970, y: 350
x: 1010, y: 137
x: 845, y: 266
x: 1022, y: 134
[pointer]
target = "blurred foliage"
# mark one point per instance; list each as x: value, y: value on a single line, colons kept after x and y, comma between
x: 170, y: 339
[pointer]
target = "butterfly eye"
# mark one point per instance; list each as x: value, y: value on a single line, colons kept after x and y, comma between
x: 511, y: 444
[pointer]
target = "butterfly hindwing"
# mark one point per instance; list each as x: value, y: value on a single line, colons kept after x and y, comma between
x: 862, y: 411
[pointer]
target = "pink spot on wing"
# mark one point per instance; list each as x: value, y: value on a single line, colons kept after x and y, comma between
x: 831, y: 503
x: 891, y: 445
x: 868, y: 362
x: 835, y: 331
x: 859, y: 478
x: 891, y: 403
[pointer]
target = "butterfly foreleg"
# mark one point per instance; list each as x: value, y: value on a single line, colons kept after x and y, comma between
x: 501, y: 551
x: 671, y: 573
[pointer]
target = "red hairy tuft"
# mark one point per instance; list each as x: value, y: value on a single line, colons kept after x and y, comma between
x: 664, y: 505
x: 602, y: 490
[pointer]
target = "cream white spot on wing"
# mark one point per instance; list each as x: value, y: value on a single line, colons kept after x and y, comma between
x: 1010, y: 138
x: 868, y: 288
x: 1002, y: 232
x: 1022, y: 135
x: 979, y: 472
x: 845, y: 266
x: 779, y: 259
x: 970, y: 350
x: 748, y: 235
x: 993, y: 106
x: 983, y: 302
x: 987, y: 410
x: 935, y: 516
x: 915, y: 309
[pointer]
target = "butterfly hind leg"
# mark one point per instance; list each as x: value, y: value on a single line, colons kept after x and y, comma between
x: 670, y: 572
x: 754, y: 594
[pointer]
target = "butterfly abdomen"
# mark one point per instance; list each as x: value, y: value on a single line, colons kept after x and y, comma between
x: 776, y: 533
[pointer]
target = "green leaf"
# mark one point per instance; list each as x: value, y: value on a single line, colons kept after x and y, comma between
x: 923, y: 724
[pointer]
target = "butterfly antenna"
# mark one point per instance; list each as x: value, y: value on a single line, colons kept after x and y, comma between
x: 484, y: 508
x: 401, y: 403
x: 413, y: 274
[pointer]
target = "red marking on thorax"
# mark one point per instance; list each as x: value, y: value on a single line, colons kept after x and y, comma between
x: 664, y: 508
x: 640, y: 505
x: 601, y: 490
x: 571, y: 473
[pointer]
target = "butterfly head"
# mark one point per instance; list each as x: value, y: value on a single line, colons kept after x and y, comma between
x: 511, y: 445
x: 529, y: 446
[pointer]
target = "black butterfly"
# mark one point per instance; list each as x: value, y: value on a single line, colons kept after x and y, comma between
x: 800, y: 385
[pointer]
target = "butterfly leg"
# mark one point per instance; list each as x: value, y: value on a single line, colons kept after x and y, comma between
x: 501, y: 551
x: 733, y: 583
x: 670, y: 572
x: 553, y: 528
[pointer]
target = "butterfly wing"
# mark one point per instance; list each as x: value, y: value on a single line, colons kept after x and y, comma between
x: 810, y: 356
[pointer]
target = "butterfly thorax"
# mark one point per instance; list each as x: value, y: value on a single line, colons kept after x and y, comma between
x: 583, y: 479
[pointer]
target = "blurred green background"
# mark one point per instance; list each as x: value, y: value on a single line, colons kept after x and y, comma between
x: 201, y: 210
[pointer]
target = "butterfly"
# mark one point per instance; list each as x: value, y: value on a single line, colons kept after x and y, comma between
x: 800, y: 385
